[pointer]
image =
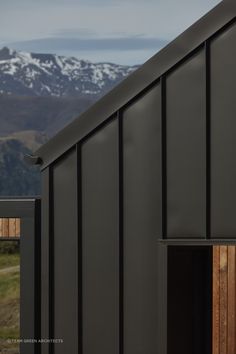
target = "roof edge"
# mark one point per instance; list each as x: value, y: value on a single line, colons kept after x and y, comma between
x: 33, y: 159
x: 137, y: 82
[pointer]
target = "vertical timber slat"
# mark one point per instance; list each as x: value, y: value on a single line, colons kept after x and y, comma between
x: 223, y: 298
x: 1, y: 227
x: 216, y: 300
x: 12, y: 227
x: 224, y: 301
x: 231, y: 300
x: 17, y: 227
x: 5, y: 227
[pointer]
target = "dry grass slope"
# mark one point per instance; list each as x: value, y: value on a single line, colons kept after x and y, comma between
x: 9, y: 303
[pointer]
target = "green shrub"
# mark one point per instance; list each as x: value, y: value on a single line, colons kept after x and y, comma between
x: 9, y: 247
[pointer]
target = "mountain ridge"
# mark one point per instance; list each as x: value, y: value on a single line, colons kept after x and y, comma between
x: 32, y: 74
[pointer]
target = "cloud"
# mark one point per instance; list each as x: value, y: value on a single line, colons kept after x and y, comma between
x: 57, y: 44
x: 74, y: 32
x: 106, y: 28
x: 29, y: 19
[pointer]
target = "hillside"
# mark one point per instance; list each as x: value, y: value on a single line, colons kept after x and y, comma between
x: 17, y: 177
x: 43, y: 114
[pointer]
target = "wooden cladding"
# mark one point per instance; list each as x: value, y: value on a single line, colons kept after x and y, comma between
x: 9, y: 227
x: 224, y: 301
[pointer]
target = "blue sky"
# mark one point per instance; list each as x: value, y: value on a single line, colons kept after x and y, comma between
x: 121, y: 31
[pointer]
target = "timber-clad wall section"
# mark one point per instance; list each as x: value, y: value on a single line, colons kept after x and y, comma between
x: 224, y: 300
x: 9, y: 227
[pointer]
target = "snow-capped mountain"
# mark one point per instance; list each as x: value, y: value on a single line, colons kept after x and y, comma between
x: 28, y: 74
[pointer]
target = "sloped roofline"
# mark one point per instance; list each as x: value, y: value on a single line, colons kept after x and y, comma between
x: 128, y: 89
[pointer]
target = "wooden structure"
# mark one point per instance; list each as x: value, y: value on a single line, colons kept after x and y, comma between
x: 224, y: 300
x: 9, y: 228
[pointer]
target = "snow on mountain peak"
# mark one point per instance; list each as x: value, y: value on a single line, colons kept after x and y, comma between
x: 23, y: 73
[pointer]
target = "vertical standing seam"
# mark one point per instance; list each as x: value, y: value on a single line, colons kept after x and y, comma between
x: 164, y: 156
x: 208, y: 140
x: 37, y: 273
x: 51, y: 260
x: 121, y: 235
x: 80, y: 247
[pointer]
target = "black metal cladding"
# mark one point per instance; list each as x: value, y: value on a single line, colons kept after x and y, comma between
x: 223, y: 132
x: 159, y: 166
x: 186, y: 148
x: 65, y: 254
x: 100, y: 241
x: 142, y: 220
x: 45, y: 246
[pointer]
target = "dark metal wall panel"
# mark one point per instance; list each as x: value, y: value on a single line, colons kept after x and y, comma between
x: 45, y: 235
x: 100, y: 245
x: 30, y: 278
x: 186, y: 149
x: 65, y: 254
x: 223, y: 134
x: 142, y: 222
